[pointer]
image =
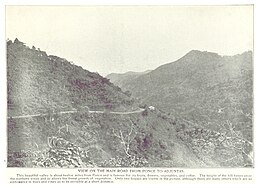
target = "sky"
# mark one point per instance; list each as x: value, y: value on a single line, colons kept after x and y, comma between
x: 117, y: 39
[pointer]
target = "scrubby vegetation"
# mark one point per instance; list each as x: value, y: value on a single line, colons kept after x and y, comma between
x: 204, y: 90
x: 228, y: 150
x: 89, y: 140
x: 51, y: 86
x: 45, y: 84
x: 38, y: 82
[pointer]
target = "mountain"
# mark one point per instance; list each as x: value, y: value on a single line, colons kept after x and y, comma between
x: 37, y: 81
x: 121, y: 79
x: 203, y: 89
x: 61, y: 115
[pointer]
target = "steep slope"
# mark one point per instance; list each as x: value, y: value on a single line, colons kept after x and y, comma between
x: 53, y: 122
x: 60, y: 115
x: 205, y: 90
x: 124, y: 78
x: 39, y: 82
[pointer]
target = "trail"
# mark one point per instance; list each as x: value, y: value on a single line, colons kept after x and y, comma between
x: 75, y: 111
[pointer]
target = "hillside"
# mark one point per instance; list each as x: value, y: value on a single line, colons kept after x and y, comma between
x: 205, y: 90
x: 60, y: 115
x: 37, y: 82
x: 122, y: 79
x: 50, y: 126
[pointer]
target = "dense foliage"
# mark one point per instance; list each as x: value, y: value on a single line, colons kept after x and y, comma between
x: 204, y: 90
x: 51, y: 86
x: 38, y: 82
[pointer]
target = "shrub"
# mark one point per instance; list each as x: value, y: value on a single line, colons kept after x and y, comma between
x: 144, y: 113
x: 62, y: 153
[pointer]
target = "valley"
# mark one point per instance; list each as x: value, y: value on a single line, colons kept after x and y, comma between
x: 193, y: 113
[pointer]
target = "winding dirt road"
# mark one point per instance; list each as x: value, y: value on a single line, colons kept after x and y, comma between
x: 75, y: 111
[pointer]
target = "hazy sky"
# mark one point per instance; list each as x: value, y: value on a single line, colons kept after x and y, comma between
x: 120, y: 39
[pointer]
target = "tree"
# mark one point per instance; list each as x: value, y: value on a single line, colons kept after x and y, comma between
x: 16, y: 41
x: 9, y: 42
x: 237, y: 142
x: 144, y: 113
x: 128, y: 93
x: 125, y: 137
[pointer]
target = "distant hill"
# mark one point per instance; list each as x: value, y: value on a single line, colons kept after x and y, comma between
x: 121, y: 79
x: 204, y: 89
x: 50, y: 126
x: 61, y: 115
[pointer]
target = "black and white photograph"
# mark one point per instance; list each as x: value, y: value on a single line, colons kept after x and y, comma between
x: 130, y: 86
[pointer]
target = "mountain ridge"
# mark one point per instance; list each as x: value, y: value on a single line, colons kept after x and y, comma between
x: 49, y: 86
x: 119, y: 79
x: 204, y: 89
